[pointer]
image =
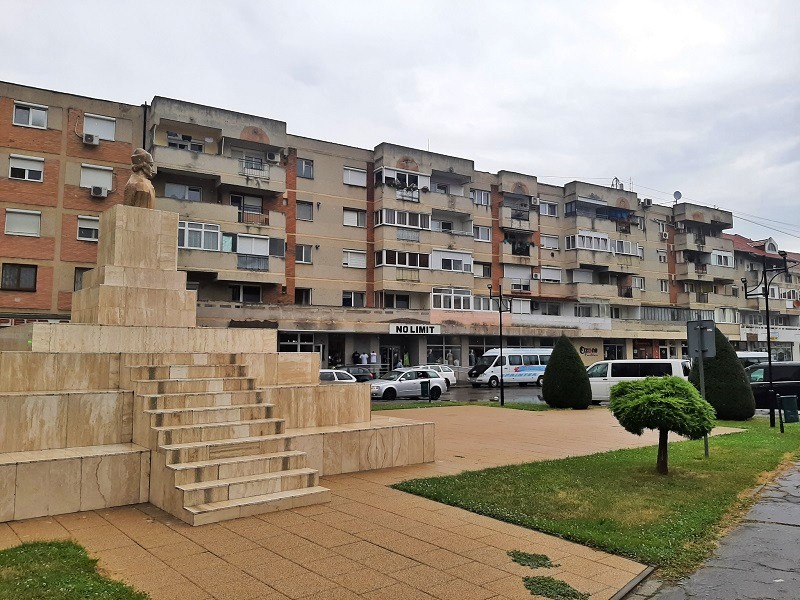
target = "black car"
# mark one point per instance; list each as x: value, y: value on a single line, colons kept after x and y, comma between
x: 785, y: 378
x: 360, y: 373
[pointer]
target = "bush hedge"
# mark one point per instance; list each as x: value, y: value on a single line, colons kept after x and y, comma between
x: 566, y: 384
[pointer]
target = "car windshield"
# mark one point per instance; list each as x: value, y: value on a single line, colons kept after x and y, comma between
x: 392, y: 375
x: 485, y: 361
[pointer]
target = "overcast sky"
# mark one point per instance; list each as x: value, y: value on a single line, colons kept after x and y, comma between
x: 701, y: 97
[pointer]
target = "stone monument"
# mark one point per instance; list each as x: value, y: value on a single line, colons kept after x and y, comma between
x: 139, y: 191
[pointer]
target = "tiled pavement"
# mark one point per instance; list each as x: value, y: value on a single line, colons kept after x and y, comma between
x: 370, y: 541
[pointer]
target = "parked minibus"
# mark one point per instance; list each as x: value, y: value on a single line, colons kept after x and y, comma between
x: 519, y: 365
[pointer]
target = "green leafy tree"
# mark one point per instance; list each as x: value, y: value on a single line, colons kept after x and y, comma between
x: 662, y: 403
x: 566, y: 384
x: 727, y: 387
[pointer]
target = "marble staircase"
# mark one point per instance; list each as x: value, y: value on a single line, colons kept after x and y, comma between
x: 217, y: 450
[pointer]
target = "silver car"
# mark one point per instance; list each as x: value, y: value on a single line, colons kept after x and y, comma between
x: 407, y: 383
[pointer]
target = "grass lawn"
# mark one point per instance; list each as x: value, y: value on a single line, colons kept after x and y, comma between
x: 617, y: 502
x: 425, y: 404
x: 56, y: 571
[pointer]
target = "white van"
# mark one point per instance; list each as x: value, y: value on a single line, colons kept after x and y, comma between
x: 751, y: 358
x: 606, y: 373
x: 520, y: 365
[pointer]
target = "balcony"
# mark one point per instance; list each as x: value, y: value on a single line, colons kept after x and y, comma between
x: 252, y: 262
x: 704, y: 272
x: 253, y: 218
x: 449, y: 202
x: 419, y: 280
x: 703, y: 214
x: 516, y: 219
x: 701, y: 242
x: 239, y: 173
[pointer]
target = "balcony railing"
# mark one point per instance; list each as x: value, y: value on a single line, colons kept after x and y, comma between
x: 253, y: 167
x: 700, y: 268
x: 699, y: 239
x: 520, y: 285
x: 408, y: 195
x: 408, y: 235
x: 625, y: 292
x: 253, y: 218
x: 520, y: 215
x: 702, y: 297
x: 251, y: 262
x: 403, y: 274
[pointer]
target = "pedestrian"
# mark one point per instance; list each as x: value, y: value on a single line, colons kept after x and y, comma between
x: 398, y: 364
x: 449, y: 357
x: 356, y: 357
x: 373, y: 358
x: 364, y: 358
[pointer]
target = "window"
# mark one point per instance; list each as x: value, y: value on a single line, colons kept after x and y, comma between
x: 482, y: 269
x: 441, y: 188
x: 96, y: 176
x: 548, y: 209
x: 637, y: 283
x: 356, y: 259
x: 353, y: 299
x: 479, y: 197
x: 252, y: 244
x: 305, y: 168
x: 88, y: 228
x: 178, y: 191
x: 481, y: 303
x: 23, y: 222
x: 19, y: 278
x: 396, y: 300
x: 451, y: 299
x: 551, y: 308
x: 451, y: 264
x: 28, y: 168
x: 550, y: 274
x: 598, y: 370
x: 355, y: 218
x: 583, y: 310
x: 30, y: 115
x: 402, y: 259
x: 77, y: 283
x: 251, y: 205
x: 388, y: 216
x: 625, y: 247
x: 303, y: 253
x: 549, y: 242
x: 198, y: 236
x: 183, y: 142
x: 302, y: 296
x: 722, y: 259
x: 351, y: 176
x: 250, y: 294
x: 664, y: 285
x: 482, y: 234
x: 305, y: 211
x: 662, y: 256
x: 103, y: 127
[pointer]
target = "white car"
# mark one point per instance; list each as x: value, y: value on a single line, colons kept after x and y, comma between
x: 445, y: 371
x: 407, y: 383
x: 336, y: 376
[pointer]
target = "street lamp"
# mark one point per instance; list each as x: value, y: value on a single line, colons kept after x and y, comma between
x: 762, y: 290
x: 502, y: 360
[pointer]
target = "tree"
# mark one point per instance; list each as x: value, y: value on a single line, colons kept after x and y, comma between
x: 566, y: 384
x: 662, y: 403
x: 727, y: 387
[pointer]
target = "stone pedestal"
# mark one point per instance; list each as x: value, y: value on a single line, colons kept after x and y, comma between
x: 136, y: 282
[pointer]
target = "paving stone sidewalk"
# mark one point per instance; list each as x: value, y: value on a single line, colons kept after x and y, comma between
x: 759, y: 560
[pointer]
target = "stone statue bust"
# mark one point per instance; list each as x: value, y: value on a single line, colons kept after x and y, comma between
x: 139, y: 191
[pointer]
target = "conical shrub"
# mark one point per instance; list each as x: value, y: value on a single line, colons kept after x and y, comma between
x: 566, y: 384
x: 727, y: 387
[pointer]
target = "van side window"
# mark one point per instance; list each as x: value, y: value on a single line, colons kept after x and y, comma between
x: 598, y: 370
x: 658, y: 369
x: 543, y: 358
x: 515, y: 360
x: 530, y: 359
x: 782, y: 373
x: 500, y: 362
x: 687, y: 368
x: 625, y: 369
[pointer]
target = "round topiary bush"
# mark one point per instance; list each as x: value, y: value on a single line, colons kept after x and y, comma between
x: 727, y: 387
x: 662, y: 403
x: 566, y: 384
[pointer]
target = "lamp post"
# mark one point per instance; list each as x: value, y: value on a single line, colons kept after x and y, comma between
x: 761, y: 289
x: 500, y: 310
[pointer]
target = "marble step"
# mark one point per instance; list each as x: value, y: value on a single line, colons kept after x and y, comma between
x: 196, y: 451
x: 248, y: 485
x: 198, y: 384
x: 181, y: 400
x: 209, y: 414
x: 237, y: 466
x: 181, y: 358
x: 207, y: 432
x: 153, y: 372
x: 213, y: 512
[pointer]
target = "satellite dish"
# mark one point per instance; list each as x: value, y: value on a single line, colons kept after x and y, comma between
x: 677, y: 196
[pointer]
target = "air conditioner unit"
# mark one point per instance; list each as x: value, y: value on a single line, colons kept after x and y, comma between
x: 535, y: 276
x: 680, y: 226
x: 534, y: 201
x: 99, y: 192
x: 91, y: 139
x: 273, y: 157
x: 664, y: 235
x: 646, y: 202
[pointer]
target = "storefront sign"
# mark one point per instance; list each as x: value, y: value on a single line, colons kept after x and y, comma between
x: 403, y: 329
x: 587, y: 351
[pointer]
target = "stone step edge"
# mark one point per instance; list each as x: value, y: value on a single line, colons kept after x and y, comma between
x: 251, y: 500
x: 174, y: 411
x: 228, y: 441
x: 191, y: 379
x: 229, y: 460
x: 206, y: 393
x: 212, y: 483
x: 215, y: 424
x: 238, y: 364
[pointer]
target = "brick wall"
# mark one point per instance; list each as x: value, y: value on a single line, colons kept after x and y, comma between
x: 65, y: 301
x: 24, y: 247
x: 106, y: 151
x: 78, y: 198
x: 43, y: 193
x: 26, y: 138
x: 40, y: 299
x: 73, y: 249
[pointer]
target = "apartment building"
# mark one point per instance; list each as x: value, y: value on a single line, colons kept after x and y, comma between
x: 392, y: 249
